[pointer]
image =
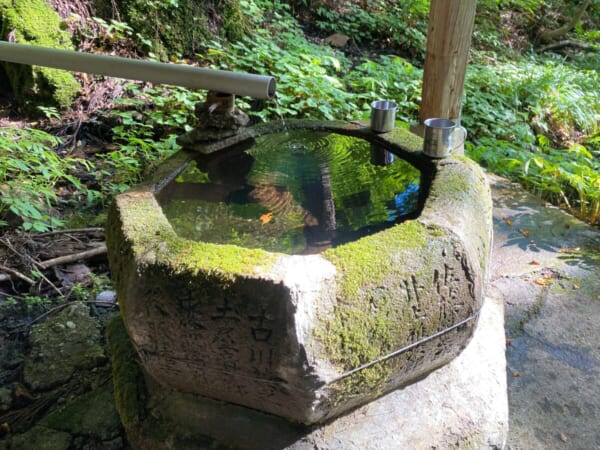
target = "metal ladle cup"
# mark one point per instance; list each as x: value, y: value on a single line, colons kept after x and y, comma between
x: 442, y: 136
x: 383, y: 116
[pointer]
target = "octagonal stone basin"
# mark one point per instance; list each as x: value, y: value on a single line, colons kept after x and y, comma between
x: 305, y: 337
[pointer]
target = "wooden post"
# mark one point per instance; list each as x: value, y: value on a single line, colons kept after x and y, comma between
x: 448, y: 42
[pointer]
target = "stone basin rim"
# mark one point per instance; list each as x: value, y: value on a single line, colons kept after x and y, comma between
x: 399, y: 141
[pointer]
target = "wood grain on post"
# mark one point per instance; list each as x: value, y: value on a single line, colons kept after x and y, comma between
x: 448, y: 42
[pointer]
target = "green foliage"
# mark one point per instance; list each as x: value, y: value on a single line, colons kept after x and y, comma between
x: 512, y: 101
x: 567, y: 177
x: 525, y: 118
x: 149, y: 122
x: 29, y: 302
x: 30, y: 170
x: 396, y: 24
x: 307, y: 74
x: 87, y: 292
x: 391, y: 77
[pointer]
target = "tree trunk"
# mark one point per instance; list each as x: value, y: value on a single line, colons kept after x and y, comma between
x: 448, y: 42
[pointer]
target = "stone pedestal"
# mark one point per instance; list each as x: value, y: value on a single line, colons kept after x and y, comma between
x: 462, y: 405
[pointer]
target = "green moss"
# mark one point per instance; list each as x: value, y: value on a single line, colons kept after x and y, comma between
x: 147, y: 227
x: 175, y: 28
x: 235, y: 23
x: 405, y: 140
x: 128, y: 379
x: 361, y: 261
x: 35, y: 22
x: 227, y: 258
x: 65, y: 343
x: 41, y: 438
x: 91, y: 414
x: 461, y: 195
x: 371, y: 320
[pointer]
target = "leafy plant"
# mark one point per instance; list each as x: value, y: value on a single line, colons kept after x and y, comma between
x: 391, y: 77
x: 529, y: 121
x: 308, y: 85
x: 396, y: 24
x: 149, y: 121
x: 30, y: 170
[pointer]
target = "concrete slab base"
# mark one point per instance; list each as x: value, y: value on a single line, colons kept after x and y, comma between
x: 462, y: 405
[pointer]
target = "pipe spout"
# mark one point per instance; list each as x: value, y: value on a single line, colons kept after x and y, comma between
x: 241, y: 84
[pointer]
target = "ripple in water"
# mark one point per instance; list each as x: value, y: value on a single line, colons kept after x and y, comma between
x: 297, y: 192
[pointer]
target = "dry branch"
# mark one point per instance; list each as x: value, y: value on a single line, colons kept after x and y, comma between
x: 100, y: 250
x: 569, y: 43
x: 10, y: 273
x: 551, y: 35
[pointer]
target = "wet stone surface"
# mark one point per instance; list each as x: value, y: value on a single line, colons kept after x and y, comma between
x: 60, y: 394
x: 68, y: 342
x: 546, y: 268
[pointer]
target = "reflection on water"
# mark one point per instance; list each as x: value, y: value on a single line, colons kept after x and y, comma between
x: 298, y: 192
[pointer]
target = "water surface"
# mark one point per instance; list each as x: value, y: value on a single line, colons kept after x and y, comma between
x: 297, y: 192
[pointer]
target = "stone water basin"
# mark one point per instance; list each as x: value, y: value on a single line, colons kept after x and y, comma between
x: 312, y: 332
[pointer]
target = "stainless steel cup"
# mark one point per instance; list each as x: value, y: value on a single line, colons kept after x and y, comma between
x: 441, y: 137
x: 383, y: 115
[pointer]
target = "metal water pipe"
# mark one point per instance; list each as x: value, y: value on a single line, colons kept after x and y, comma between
x: 241, y: 84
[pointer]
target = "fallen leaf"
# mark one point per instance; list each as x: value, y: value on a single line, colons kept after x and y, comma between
x: 569, y: 250
x: 516, y: 374
x: 525, y: 233
x: 576, y: 286
x: 508, y: 222
x: 266, y: 218
x: 534, y: 262
x: 540, y: 281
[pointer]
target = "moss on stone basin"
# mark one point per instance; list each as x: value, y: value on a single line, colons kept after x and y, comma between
x: 305, y: 337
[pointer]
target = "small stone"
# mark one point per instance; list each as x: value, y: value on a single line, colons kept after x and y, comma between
x: 70, y: 325
x: 337, y: 40
x: 106, y: 299
x: 563, y: 437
